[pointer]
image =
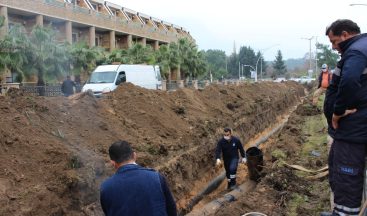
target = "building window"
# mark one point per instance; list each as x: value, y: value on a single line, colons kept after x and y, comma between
x: 97, y: 41
x: 75, y: 37
x: 95, y: 6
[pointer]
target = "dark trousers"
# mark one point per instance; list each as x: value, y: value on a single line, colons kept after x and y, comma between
x: 346, y: 168
x: 230, y: 165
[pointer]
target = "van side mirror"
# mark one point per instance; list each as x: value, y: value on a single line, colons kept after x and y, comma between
x: 118, y: 81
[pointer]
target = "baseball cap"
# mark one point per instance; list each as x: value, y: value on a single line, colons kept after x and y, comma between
x: 324, y: 66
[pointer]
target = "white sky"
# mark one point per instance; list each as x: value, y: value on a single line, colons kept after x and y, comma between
x: 260, y: 24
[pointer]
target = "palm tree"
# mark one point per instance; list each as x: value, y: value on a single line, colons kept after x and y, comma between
x: 167, y: 58
x: 118, y: 55
x: 175, y: 61
x: 12, y: 51
x: 84, y: 59
x: 46, y: 57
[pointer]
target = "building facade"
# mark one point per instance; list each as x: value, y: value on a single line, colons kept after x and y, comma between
x: 97, y: 22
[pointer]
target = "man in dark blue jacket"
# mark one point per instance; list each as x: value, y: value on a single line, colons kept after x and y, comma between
x: 229, y: 146
x: 67, y: 87
x: 346, y: 111
x: 134, y: 190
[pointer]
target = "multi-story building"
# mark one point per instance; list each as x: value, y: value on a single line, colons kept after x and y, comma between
x: 97, y: 22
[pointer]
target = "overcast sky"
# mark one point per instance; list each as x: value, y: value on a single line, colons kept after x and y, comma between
x: 265, y: 25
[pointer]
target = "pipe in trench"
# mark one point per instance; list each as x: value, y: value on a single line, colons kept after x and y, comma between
x: 214, y: 184
x: 215, y: 205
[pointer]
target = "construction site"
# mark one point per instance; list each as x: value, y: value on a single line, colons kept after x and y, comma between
x: 54, y: 150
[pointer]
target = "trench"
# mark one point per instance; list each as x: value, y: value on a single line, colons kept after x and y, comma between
x: 214, y: 195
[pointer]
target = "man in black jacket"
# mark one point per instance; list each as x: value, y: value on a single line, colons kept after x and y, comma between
x: 67, y: 87
x: 229, y: 146
x: 346, y: 111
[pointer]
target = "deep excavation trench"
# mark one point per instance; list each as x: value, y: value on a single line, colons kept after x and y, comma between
x: 214, y: 195
x: 206, y: 180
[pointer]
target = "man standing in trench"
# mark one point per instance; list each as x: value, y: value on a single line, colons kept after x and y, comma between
x: 134, y: 190
x: 345, y: 108
x: 229, y: 146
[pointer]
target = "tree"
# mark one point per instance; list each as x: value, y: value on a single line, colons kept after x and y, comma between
x: 84, y: 59
x: 247, y: 57
x: 279, y: 65
x: 13, y: 50
x: 232, y: 66
x: 262, y: 66
x: 197, y: 65
x: 118, y: 55
x: 326, y: 55
x: 46, y: 57
x: 216, y: 60
x: 167, y: 58
x: 187, y: 60
x: 140, y: 54
x: 193, y: 61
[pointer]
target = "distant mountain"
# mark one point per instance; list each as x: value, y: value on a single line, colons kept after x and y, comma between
x: 294, y: 63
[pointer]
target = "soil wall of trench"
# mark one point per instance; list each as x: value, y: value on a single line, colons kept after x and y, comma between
x: 54, y: 151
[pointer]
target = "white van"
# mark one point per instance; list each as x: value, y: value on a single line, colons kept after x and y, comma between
x: 106, y: 78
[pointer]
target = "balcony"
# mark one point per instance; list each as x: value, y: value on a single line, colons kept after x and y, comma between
x: 66, y: 11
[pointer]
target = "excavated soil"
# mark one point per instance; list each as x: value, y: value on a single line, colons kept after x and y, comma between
x: 53, y: 151
x: 283, y: 190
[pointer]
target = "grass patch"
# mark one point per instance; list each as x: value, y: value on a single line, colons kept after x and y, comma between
x: 315, y: 130
x: 296, y: 201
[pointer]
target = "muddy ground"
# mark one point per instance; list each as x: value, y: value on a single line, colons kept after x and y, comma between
x: 53, y: 151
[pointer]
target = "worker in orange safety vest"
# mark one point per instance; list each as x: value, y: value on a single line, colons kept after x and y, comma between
x: 324, y: 80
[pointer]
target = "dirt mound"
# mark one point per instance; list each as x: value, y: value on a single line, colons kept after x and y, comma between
x: 53, y: 151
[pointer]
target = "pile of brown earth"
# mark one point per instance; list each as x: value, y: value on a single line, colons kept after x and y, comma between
x: 53, y: 151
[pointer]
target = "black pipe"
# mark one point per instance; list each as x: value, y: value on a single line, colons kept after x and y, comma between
x: 214, y: 184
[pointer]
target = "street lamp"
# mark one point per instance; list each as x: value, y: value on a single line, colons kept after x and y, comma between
x: 310, y: 39
x: 249, y: 66
x: 260, y: 57
x: 358, y: 5
x: 252, y: 69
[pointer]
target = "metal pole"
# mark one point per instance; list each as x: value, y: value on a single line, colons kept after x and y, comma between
x: 257, y: 62
x: 239, y: 70
x: 309, y: 69
x: 310, y: 56
x: 261, y: 69
x: 315, y: 55
x: 262, y: 59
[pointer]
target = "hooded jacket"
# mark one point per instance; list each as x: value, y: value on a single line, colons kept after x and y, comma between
x: 348, y: 90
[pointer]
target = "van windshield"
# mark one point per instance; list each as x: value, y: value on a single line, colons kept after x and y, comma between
x: 102, y: 77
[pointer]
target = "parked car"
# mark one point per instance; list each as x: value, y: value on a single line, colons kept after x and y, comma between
x: 306, y: 79
x: 303, y: 79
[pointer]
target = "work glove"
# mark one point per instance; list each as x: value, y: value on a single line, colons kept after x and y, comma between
x: 244, y: 160
x: 218, y: 162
